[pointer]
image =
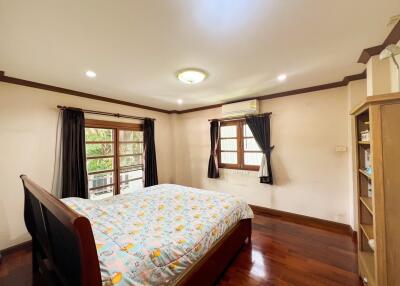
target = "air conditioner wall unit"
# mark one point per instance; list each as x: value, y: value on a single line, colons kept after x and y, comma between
x: 241, y: 108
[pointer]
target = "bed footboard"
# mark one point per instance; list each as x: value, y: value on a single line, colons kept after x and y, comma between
x: 64, y: 249
x: 210, y: 267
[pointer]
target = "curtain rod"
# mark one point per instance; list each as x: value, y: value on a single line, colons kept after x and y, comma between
x: 104, y: 113
x: 238, y: 117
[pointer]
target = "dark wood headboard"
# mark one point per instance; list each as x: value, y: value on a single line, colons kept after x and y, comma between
x: 62, y: 239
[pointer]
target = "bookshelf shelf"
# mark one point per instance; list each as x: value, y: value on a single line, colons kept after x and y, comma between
x: 365, y: 173
x: 368, y: 230
x: 367, y: 202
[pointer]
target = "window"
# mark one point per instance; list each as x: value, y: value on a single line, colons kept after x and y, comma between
x: 237, y: 147
x: 114, y: 158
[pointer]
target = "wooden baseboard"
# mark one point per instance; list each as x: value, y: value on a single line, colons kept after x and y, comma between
x: 304, y: 220
x: 14, y: 248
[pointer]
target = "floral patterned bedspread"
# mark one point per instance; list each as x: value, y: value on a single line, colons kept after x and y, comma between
x: 152, y: 236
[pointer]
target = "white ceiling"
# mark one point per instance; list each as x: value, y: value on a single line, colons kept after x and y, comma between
x: 135, y: 47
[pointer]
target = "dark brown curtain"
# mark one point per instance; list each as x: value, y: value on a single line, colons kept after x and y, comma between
x: 150, y: 161
x: 74, y: 177
x: 260, y: 127
x: 213, y: 171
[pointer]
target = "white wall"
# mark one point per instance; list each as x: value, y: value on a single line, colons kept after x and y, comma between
x: 310, y: 177
x: 28, y: 120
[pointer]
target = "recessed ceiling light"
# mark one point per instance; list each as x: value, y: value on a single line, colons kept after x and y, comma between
x: 179, y: 101
x: 90, y: 74
x: 191, y: 76
x: 282, y: 77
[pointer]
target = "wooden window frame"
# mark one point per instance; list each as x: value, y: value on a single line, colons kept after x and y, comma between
x: 116, y: 127
x: 240, y: 147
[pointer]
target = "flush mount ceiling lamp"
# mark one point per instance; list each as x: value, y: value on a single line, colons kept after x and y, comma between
x: 90, y: 74
x: 282, y: 77
x: 191, y: 76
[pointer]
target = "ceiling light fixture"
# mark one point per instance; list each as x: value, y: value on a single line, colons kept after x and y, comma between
x: 191, y: 76
x: 282, y: 77
x: 90, y: 74
x: 179, y: 101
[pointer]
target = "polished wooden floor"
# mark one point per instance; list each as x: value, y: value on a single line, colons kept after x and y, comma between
x: 281, y: 253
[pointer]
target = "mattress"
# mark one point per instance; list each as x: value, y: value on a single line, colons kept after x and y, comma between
x: 152, y: 236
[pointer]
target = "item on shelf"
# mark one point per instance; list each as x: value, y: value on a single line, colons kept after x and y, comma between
x: 364, y: 135
x: 367, y: 158
x: 371, y: 243
x: 369, y: 190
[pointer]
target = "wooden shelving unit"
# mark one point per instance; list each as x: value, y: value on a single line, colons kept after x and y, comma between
x: 378, y: 189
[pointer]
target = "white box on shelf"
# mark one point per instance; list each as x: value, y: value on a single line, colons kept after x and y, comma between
x: 364, y: 135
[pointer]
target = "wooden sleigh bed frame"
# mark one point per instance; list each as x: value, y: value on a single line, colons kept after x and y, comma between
x: 64, y: 249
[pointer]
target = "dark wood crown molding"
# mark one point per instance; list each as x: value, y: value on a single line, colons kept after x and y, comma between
x: 392, y: 38
x: 198, y: 108
x: 43, y: 86
x: 344, y: 82
x: 13, y: 80
x: 366, y: 54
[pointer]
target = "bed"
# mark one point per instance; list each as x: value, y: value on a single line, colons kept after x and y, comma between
x: 161, y: 235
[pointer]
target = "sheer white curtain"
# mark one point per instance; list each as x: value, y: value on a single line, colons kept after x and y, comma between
x: 57, y: 169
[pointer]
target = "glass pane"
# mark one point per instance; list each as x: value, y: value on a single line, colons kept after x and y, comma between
x: 93, y: 150
x: 251, y: 145
x: 95, y: 165
x: 101, y: 193
x: 228, y: 131
x: 129, y: 135
x: 229, y: 144
x: 229, y: 157
x: 97, y: 180
x: 130, y: 187
x: 246, y: 131
x: 130, y: 148
x: 130, y: 173
x: 130, y: 160
x: 252, y: 158
x: 98, y: 134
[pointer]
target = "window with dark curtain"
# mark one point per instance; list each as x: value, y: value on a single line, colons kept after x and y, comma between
x: 114, y: 157
x: 237, y: 147
x: 260, y: 127
x: 213, y: 171
x: 150, y: 161
x: 74, y: 177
